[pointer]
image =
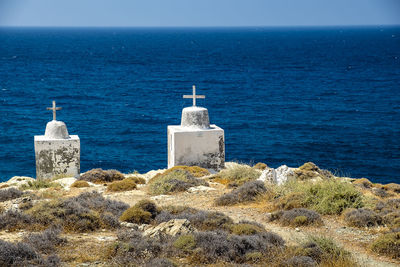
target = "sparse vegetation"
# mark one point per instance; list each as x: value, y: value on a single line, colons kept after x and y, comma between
x: 297, y: 217
x: 237, y: 175
x: 362, y: 218
x: 388, y: 244
x: 10, y: 193
x: 102, y: 176
x: 124, y: 185
x: 80, y: 184
x: 173, y: 181
x: 246, y: 192
x: 39, y: 184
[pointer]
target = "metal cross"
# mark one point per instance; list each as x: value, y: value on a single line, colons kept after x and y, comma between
x: 194, y: 96
x: 54, y: 109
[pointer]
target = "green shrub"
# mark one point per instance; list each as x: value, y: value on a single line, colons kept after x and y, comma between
x: 331, y: 196
x: 185, y: 242
x: 260, y: 166
x: 362, y: 218
x: 102, y: 176
x: 124, y: 185
x: 39, y: 184
x: 80, y: 184
x: 136, y: 215
x: 137, y: 179
x: 388, y: 244
x: 237, y: 175
x: 173, y: 181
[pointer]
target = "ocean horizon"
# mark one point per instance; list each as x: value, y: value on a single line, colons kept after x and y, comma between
x: 283, y: 95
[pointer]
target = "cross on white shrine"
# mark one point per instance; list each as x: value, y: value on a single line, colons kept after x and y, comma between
x: 194, y: 96
x: 54, y: 109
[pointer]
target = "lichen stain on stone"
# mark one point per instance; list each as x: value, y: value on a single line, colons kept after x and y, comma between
x: 45, y: 162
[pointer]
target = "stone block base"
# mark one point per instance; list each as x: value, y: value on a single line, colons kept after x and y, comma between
x: 196, y: 147
x: 56, y: 157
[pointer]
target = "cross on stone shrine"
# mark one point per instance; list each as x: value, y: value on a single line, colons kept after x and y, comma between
x: 194, y: 96
x: 54, y: 109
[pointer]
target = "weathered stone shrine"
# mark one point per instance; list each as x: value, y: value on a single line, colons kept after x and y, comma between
x: 195, y: 142
x: 57, y: 153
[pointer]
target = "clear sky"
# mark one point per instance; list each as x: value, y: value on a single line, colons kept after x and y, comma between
x: 198, y: 12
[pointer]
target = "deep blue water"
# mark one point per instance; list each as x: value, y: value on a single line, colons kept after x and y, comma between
x: 283, y: 95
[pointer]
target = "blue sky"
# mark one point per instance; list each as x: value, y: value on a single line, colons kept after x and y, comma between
x: 198, y: 12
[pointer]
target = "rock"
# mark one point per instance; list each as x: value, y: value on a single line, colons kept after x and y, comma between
x: 161, y: 197
x: 130, y: 225
x: 232, y: 165
x: 277, y: 176
x: 173, y: 228
x: 19, y: 180
x: 200, y: 188
x: 66, y: 182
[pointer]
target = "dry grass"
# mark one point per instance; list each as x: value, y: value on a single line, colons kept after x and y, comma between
x: 260, y: 166
x: 388, y: 244
x: 83, y: 251
x: 363, y: 183
x: 137, y: 179
x: 194, y: 170
x: 236, y: 176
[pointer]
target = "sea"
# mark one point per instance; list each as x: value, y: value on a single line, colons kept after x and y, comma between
x: 329, y: 95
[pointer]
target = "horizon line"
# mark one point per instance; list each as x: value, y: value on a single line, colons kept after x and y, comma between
x: 213, y: 26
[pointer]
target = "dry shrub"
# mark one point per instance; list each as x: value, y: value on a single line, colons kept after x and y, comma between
x: 137, y: 179
x: 300, y: 261
x: 392, y: 187
x: 237, y: 175
x: 388, y: 244
x: 46, y: 241
x: 80, y: 184
x: 246, y: 228
x: 143, y: 212
x: 213, y: 246
x: 102, y: 176
x: 297, y: 217
x: 22, y: 254
x: 362, y: 218
x: 10, y: 193
x: 173, y: 181
x: 14, y: 220
x: 84, y: 213
x: 260, y: 166
x: 2, y: 209
x: 124, y: 185
x: 380, y: 192
x: 326, y: 252
x: 245, y: 193
x: 201, y: 220
x: 193, y: 170
x: 4, y: 186
x: 133, y: 249
x: 310, y: 171
x: 363, y: 183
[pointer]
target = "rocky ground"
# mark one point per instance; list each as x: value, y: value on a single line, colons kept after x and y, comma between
x: 354, y: 240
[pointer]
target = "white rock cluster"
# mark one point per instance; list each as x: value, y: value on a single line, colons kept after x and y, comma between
x: 277, y: 176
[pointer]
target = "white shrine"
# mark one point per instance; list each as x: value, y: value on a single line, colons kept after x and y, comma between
x: 195, y: 142
x: 57, y: 153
